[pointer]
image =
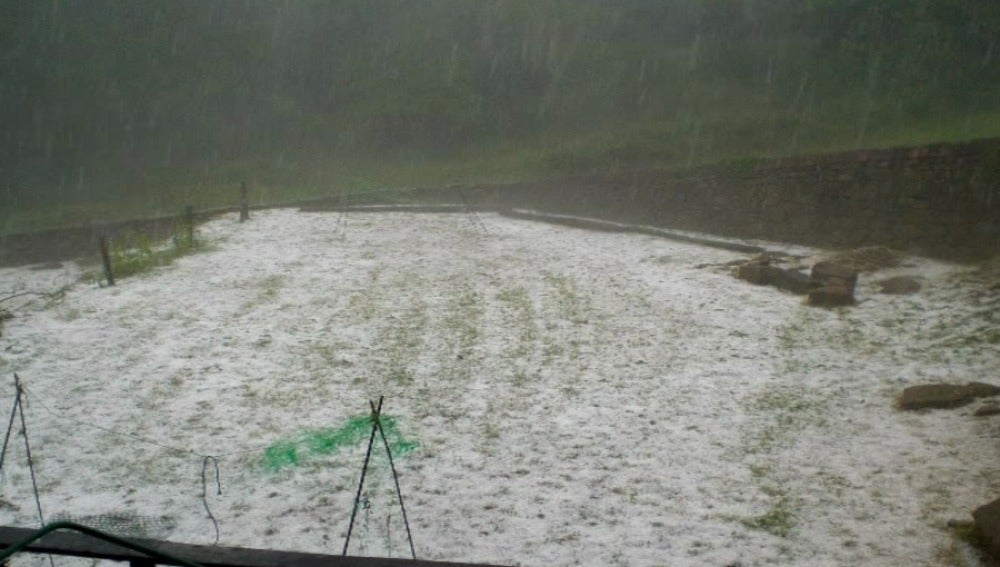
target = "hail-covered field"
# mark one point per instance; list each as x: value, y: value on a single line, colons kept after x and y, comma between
x: 554, y: 397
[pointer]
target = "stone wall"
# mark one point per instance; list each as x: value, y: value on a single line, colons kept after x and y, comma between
x: 941, y: 200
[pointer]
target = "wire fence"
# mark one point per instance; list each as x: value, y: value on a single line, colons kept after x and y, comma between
x: 292, y: 491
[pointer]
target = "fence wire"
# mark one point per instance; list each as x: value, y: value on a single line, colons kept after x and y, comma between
x: 296, y: 487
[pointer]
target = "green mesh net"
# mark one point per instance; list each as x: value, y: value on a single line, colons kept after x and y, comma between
x: 325, y: 441
x: 280, y: 455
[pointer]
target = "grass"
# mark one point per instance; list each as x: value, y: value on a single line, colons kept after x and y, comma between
x: 363, y: 302
x: 522, y: 316
x: 777, y: 414
x: 401, y: 336
x: 270, y: 287
x: 460, y: 328
x: 463, y: 317
x: 134, y: 253
x: 568, y: 301
x: 780, y: 413
x: 789, y: 335
x: 779, y: 519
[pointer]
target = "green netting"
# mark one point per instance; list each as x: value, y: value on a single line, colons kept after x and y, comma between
x: 397, y: 443
x: 281, y: 455
x: 325, y: 441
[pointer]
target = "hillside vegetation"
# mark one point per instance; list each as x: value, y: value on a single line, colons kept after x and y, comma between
x: 114, y: 108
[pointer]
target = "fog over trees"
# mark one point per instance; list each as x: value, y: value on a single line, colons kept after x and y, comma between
x: 111, y: 97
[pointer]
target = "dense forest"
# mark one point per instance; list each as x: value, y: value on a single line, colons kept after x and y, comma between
x: 108, y: 102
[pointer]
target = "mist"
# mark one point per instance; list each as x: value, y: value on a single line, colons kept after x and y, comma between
x: 157, y: 104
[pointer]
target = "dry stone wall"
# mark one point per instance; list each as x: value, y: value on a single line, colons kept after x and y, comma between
x: 941, y: 200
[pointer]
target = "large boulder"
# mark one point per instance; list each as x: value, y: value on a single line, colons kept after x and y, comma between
x: 762, y: 273
x: 833, y: 285
x: 754, y: 272
x: 940, y: 396
x: 988, y: 525
x: 831, y: 274
x: 790, y: 280
x: 831, y: 296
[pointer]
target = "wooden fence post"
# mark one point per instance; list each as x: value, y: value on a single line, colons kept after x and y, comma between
x: 244, y: 205
x: 189, y: 224
x: 102, y: 242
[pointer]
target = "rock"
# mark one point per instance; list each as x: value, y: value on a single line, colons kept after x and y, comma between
x: 790, y: 280
x: 982, y: 389
x: 835, y: 275
x: 988, y: 410
x: 988, y: 525
x: 901, y: 285
x: 834, y: 285
x: 830, y: 296
x: 944, y: 395
x: 870, y: 258
x: 753, y: 272
x: 961, y: 524
x: 762, y: 273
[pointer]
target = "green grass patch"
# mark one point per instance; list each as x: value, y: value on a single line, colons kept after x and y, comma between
x: 779, y: 519
x: 271, y: 285
x: 464, y: 313
x: 567, y: 298
x: 133, y: 253
x: 776, y: 414
x: 520, y: 317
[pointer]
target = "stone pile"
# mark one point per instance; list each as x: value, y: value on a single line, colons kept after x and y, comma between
x: 828, y: 285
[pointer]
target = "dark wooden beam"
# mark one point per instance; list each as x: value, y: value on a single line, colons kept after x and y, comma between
x: 77, y: 545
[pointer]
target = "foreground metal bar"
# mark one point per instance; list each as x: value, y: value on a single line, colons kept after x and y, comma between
x: 77, y: 545
x: 148, y: 555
